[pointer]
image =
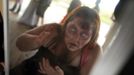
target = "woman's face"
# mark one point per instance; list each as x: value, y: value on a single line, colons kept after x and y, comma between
x: 78, y: 33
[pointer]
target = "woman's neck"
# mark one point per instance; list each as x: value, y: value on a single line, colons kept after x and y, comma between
x: 72, y: 55
x: 65, y: 53
x: 61, y: 48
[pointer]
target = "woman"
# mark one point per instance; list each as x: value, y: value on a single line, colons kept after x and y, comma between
x: 74, y: 41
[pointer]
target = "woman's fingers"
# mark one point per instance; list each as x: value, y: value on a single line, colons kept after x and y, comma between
x: 59, y: 70
x: 51, y: 39
x: 51, y: 42
x: 51, y: 46
x: 47, y: 37
x: 43, y: 63
x: 51, y: 70
x: 44, y: 35
x: 46, y: 68
x: 41, y: 70
x: 47, y: 65
x: 40, y: 38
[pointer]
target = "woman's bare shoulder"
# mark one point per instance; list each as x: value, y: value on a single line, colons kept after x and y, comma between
x: 94, y: 52
x: 96, y: 49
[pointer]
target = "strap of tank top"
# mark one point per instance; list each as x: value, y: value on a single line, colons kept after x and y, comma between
x: 85, y: 55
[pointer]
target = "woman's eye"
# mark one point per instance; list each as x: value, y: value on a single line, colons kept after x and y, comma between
x: 73, y: 29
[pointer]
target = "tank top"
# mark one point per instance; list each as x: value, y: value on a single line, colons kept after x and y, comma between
x: 31, y: 65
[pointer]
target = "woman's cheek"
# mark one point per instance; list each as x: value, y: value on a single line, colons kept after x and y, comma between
x: 69, y: 36
x: 87, y: 41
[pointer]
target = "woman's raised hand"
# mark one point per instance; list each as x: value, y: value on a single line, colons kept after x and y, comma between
x: 47, y: 37
x: 44, y: 35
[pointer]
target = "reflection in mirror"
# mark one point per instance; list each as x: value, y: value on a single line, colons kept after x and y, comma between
x: 32, y: 21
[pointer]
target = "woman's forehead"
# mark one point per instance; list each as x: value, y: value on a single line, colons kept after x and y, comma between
x: 84, y: 24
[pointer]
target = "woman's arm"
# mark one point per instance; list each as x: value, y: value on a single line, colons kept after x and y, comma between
x: 93, y: 55
x: 36, y: 37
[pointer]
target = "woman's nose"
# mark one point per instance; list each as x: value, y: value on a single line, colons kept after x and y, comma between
x: 77, y: 38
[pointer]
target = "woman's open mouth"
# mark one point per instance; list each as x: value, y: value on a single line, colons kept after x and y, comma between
x: 73, y: 46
